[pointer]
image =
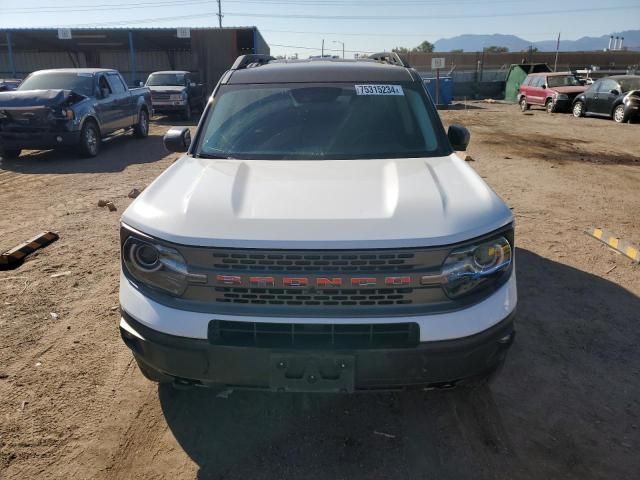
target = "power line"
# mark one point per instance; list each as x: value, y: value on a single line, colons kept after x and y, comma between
x: 429, y: 17
x: 386, y: 3
x: 344, y: 17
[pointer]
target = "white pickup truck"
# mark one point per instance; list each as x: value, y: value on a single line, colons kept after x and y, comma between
x: 319, y: 234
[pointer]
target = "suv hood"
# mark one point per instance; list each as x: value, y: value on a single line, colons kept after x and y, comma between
x: 318, y: 204
x: 167, y: 89
x: 569, y: 89
x: 36, y: 98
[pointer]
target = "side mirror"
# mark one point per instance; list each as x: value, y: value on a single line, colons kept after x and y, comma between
x: 141, y: 84
x: 615, y: 92
x: 459, y: 137
x: 544, y: 86
x: 177, y: 139
x: 104, y: 92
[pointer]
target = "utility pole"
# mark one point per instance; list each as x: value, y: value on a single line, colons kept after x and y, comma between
x: 555, y: 65
x: 338, y: 41
x: 220, y: 13
x: 322, y: 56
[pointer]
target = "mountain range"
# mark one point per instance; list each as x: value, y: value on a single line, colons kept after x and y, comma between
x: 476, y: 43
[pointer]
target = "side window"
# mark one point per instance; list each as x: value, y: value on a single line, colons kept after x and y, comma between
x: 527, y: 81
x: 537, y: 82
x: 104, y: 85
x: 608, y: 85
x: 116, y: 83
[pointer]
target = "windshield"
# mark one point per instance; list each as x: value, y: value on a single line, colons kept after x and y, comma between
x: 628, y: 84
x: 81, y: 83
x: 563, y: 81
x: 322, y: 121
x: 166, y: 79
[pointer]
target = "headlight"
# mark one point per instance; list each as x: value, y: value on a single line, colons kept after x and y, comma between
x: 472, y: 267
x: 158, y: 266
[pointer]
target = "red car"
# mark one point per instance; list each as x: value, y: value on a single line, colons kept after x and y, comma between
x: 553, y: 90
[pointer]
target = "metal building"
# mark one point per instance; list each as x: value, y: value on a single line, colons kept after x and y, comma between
x: 136, y: 52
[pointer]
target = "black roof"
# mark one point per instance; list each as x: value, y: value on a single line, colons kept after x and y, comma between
x: 76, y: 70
x: 622, y: 77
x: 321, y: 70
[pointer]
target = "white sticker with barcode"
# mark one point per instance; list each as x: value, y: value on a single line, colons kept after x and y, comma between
x: 379, y: 90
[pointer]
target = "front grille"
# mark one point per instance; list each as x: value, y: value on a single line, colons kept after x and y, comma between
x: 160, y: 96
x: 314, y: 336
x: 338, y: 297
x: 316, y: 261
x: 230, y: 288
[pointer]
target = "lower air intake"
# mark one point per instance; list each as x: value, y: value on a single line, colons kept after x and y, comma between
x: 314, y: 335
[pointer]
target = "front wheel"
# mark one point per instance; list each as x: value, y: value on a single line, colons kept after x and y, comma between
x: 141, y: 129
x: 10, y: 153
x: 550, y: 106
x: 578, y: 109
x: 186, y: 113
x: 524, y: 106
x: 90, y: 139
x: 619, y: 114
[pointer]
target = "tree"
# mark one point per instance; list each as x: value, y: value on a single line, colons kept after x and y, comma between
x: 426, y: 47
x: 494, y: 49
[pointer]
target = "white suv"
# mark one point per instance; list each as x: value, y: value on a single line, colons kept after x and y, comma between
x: 319, y: 234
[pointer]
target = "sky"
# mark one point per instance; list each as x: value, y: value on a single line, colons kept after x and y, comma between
x: 364, y: 26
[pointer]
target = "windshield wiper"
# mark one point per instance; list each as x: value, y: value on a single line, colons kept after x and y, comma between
x: 215, y: 156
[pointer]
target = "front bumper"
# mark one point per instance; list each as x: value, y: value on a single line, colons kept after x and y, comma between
x: 169, y: 105
x: 429, y: 364
x: 38, y: 140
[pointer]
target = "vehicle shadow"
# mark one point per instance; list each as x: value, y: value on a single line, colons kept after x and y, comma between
x: 115, y: 155
x: 176, y: 120
x: 543, y: 417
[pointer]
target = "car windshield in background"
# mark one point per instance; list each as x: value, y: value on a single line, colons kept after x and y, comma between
x: 628, y: 84
x: 563, y: 81
x: 166, y: 79
x: 321, y: 121
x: 81, y: 83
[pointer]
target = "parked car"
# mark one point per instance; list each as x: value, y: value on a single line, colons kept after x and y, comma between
x: 7, y: 84
x: 553, y: 90
x: 319, y: 234
x: 75, y: 107
x: 176, y: 91
x: 616, y: 97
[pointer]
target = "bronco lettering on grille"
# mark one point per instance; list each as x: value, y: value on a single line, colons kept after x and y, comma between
x: 318, y: 282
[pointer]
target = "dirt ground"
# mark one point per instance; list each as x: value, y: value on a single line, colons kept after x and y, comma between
x: 567, y: 405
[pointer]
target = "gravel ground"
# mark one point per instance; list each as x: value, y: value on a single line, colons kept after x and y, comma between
x: 567, y: 404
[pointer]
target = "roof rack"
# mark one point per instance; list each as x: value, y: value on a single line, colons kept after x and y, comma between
x: 250, y: 61
x: 389, y: 57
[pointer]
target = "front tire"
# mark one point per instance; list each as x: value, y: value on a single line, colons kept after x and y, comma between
x: 10, y: 153
x: 619, y: 115
x: 186, y: 114
x: 524, y: 106
x: 578, y: 109
x: 550, y: 106
x: 90, y: 140
x: 141, y: 129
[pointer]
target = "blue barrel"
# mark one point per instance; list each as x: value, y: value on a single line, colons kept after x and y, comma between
x: 446, y: 89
